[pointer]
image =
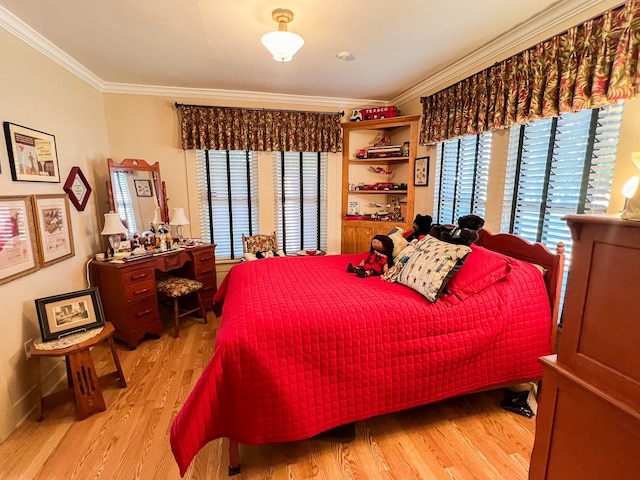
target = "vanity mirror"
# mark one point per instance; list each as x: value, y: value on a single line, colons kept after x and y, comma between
x: 135, y: 190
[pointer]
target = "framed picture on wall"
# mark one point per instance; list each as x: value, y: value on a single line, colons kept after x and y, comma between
x: 19, y: 254
x: 53, y: 220
x: 32, y: 154
x: 77, y: 188
x: 421, y: 172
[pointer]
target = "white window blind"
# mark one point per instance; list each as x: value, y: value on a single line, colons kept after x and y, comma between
x: 557, y: 167
x: 300, y: 186
x: 228, y: 198
x: 462, y: 175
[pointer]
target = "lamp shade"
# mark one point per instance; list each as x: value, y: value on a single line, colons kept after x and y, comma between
x: 178, y: 217
x: 157, y: 217
x: 282, y: 44
x: 113, y: 224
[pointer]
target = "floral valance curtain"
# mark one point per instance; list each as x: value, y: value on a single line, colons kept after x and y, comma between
x: 591, y: 65
x: 225, y: 128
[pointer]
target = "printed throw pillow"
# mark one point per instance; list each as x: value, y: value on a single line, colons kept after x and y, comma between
x: 431, y: 265
x: 398, y: 263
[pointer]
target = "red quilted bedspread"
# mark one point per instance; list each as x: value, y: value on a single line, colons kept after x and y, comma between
x: 304, y: 346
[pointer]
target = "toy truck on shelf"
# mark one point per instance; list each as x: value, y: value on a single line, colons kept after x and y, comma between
x: 373, y: 113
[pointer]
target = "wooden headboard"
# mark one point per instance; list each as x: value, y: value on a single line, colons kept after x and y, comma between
x: 517, y: 247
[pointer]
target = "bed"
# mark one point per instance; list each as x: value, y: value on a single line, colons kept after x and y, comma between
x: 304, y: 347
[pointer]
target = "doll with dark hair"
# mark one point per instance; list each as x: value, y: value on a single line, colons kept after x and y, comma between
x: 378, y: 260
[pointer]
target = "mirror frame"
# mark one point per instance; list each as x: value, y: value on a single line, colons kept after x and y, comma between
x: 139, y: 165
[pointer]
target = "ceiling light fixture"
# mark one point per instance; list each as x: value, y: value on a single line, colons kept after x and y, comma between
x: 282, y: 44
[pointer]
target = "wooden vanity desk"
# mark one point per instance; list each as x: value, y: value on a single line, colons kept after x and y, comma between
x: 128, y: 290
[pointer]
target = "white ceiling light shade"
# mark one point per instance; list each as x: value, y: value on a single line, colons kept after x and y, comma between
x: 282, y: 44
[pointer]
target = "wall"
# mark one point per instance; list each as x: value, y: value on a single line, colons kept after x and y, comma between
x: 37, y: 93
x: 148, y: 127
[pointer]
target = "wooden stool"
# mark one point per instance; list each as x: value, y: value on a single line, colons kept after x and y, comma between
x: 176, y: 287
x: 81, y: 373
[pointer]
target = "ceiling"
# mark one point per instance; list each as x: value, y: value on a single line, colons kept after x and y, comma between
x: 202, y: 48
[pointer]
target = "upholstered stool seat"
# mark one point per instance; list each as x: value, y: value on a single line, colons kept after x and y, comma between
x: 176, y: 287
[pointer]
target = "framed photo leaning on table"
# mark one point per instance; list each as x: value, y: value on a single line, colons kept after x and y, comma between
x: 53, y: 220
x: 73, y: 312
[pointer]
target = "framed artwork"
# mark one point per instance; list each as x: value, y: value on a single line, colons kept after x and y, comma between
x: 77, y: 188
x: 19, y: 254
x: 143, y: 188
x: 32, y: 154
x: 73, y: 312
x: 421, y: 172
x: 53, y: 221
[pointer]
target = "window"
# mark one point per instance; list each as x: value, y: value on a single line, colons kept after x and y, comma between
x: 557, y: 167
x: 301, y: 200
x: 462, y: 175
x: 228, y: 198
x: 123, y: 201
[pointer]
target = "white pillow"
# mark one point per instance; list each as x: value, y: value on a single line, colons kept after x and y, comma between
x: 252, y: 256
x: 431, y: 265
x: 399, y: 242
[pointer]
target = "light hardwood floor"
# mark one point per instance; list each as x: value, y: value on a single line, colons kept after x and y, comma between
x: 469, y: 437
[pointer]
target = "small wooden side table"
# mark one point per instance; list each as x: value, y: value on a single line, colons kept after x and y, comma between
x: 81, y: 373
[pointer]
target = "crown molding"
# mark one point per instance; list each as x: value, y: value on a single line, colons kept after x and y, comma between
x: 28, y: 35
x: 485, y: 56
x: 237, y: 95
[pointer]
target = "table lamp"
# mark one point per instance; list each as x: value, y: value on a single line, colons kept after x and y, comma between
x: 113, y: 227
x: 157, y: 219
x: 179, y: 219
x: 631, y: 193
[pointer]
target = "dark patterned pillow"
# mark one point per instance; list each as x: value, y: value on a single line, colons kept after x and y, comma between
x: 431, y: 265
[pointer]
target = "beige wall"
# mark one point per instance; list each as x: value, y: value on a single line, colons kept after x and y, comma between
x: 37, y: 93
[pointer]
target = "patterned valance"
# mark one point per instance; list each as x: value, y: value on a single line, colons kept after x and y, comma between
x: 226, y: 128
x: 591, y: 65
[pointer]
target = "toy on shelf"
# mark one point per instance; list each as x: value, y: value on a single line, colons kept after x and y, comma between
x: 381, y: 170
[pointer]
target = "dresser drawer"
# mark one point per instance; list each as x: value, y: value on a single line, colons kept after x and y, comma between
x: 140, y: 290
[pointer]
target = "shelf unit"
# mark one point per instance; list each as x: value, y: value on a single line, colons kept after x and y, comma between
x: 357, y: 234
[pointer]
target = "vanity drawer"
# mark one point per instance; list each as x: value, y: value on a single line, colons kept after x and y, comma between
x: 142, y: 313
x: 137, y: 275
x: 209, y: 287
x: 140, y: 290
x: 204, y: 263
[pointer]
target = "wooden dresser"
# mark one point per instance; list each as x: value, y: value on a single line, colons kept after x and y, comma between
x: 128, y: 290
x: 588, y: 422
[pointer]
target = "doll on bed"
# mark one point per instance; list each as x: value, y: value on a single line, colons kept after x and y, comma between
x: 377, y: 261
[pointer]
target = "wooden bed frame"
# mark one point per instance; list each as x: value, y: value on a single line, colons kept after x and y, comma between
x: 512, y: 246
